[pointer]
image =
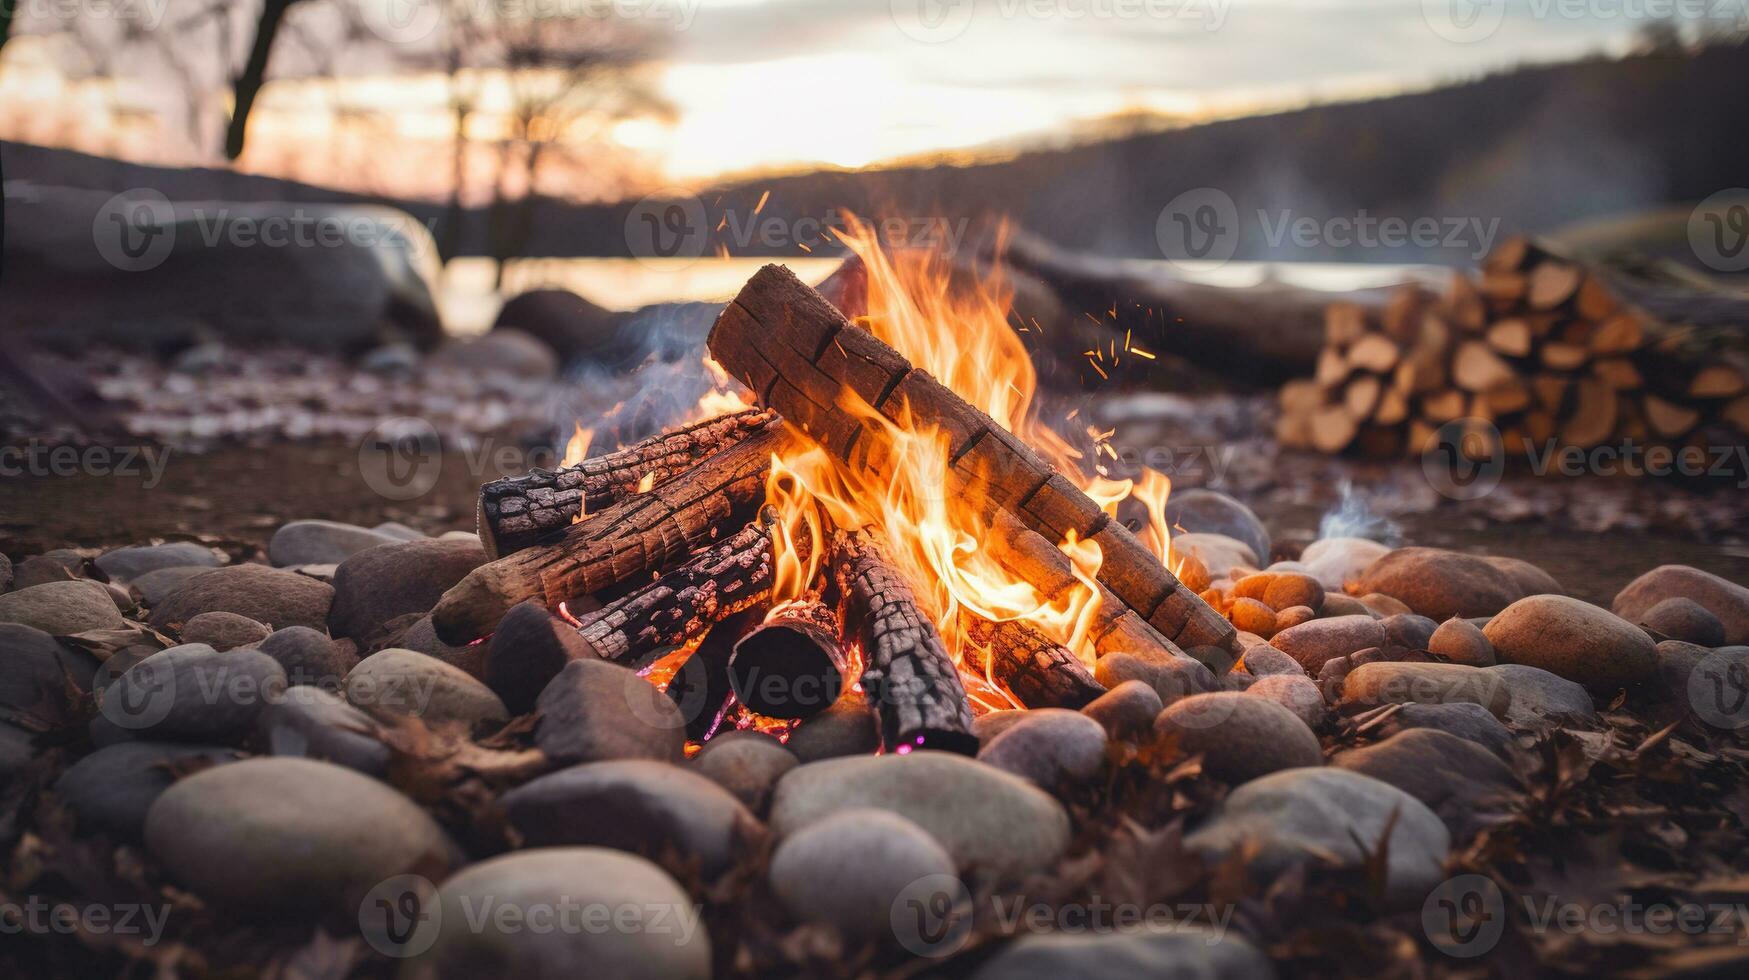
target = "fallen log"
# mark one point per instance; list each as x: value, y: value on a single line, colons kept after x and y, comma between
x: 791, y: 665
x: 803, y: 359
x: 907, y: 673
x: 681, y: 605
x: 636, y: 537
x: 521, y: 511
x: 1038, y: 672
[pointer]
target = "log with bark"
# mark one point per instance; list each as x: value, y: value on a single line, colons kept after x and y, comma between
x: 1033, y: 669
x: 792, y: 664
x: 908, y: 674
x: 640, y: 536
x: 803, y: 359
x: 521, y: 511
x: 726, y: 578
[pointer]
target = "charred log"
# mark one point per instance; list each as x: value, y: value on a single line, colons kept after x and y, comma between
x: 1037, y: 671
x: 791, y: 665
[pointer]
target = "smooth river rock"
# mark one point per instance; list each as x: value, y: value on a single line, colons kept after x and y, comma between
x: 1239, y: 736
x: 1202, y: 511
x: 1540, y: 699
x: 194, y: 692
x: 1050, y: 746
x: 848, y: 868
x: 1467, y: 785
x: 62, y: 608
x: 1723, y: 598
x: 127, y: 564
x: 1575, y: 640
x: 266, y: 595
x: 320, y: 543
x: 1155, y: 952
x: 224, y: 630
x: 110, y: 790
x: 1440, y: 584
x: 1311, y: 644
x: 378, y: 584
x: 595, y: 711
x: 1335, y: 562
x: 746, y: 763
x: 405, y: 682
x: 1681, y: 618
x: 1370, y: 685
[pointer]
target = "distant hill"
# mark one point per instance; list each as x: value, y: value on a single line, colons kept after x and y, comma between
x: 1533, y: 149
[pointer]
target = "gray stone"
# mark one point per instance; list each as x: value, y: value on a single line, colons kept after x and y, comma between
x: 310, y: 657
x: 320, y: 543
x: 224, y: 630
x: 34, y: 672
x: 17, y: 749
x: 1370, y: 685
x: 60, y: 565
x: 990, y: 821
x: 1154, y: 951
x: 993, y: 723
x: 155, y: 586
x: 526, y: 652
x: 310, y: 723
x: 1440, y: 584
x: 1467, y: 721
x: 1338, y: 561
x: 1681, y: 618
x: 1219, y: 554
x: 5, y: 573
x: 110, y: 790
x: 596, y: 711
x: 420, y: 635
x: 1173, y: 679
x: 194, y: 692
x: 1240, y: 737
x: 1050, y: 746
x: 1407, y: 631
x: 1468, y: 786
x: 1126, y: 711
x: 1295, y: 692
x: 1462, y: 642
x: 279, y: 834
x: 849, y: 727
x: 266, y: 595
x: 1540, y: 699
x: 1384, y: 606
x: 634, y: 805
x: 1340, y: 604
x: 61, y: 608
x: 1305, y: 816
x: 848, y: 869
x: 1311, y: 644
x: 746, y: 763
x: 670, y: 944
x: 1202, y: 511
x: 1725, y: 599
x: 398, y: 531
x: 378, y: 584
x: 1263, y: 660
x: 409, y: 683
x: 127, y: 564
x: 1575, y: 640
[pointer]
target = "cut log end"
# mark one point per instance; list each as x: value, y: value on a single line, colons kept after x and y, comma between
x: 792, y: 665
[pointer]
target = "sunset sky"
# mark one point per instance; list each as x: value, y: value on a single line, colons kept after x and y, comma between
x: 763, y: 85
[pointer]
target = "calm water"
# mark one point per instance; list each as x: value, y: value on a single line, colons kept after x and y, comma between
x: 469, y: 301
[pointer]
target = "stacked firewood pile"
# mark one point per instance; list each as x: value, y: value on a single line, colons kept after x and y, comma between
x: 667, y: 544
x: 1537, y: 346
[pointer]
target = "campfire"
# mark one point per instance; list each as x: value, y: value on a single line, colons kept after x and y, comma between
x: 885, y: 507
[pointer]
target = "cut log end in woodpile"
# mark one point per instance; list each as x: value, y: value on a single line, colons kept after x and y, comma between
x: 1540, y: 348
x: 792, y: 665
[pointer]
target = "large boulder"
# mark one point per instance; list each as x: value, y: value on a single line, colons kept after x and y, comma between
x: 993, y: 822
x: 137, y: 270
x: 1576, y: 640
x: 266, y: 595
x: 1725, y: 599
x: 291, y: 835
x: 378, y: 584
x: 1440, y: 584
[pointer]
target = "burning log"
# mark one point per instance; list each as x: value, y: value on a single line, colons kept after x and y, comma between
x: 802, y: 358
x: 700, y: 687
x: 908, y: 674
x: 522, y: 511
x: 1028, y: 665
x: 791, y: 665
x: 681, y: 605
x: 637, y: 536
